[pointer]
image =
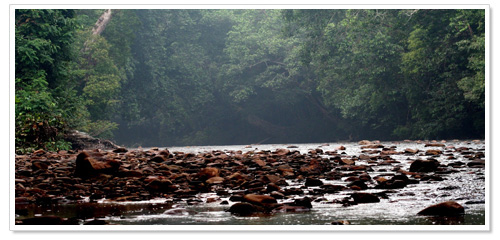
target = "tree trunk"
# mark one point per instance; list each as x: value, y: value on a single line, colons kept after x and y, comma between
x: 98, y: 28
x: 101, y: 23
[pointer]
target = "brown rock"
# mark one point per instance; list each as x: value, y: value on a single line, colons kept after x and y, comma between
x: 215, y: 180
x: 433, y: 152
x: 450, y: 208
x: 361, y: 197
x: 244, y: 209
x: 419, y: 165
x: 208, y: 172
x: 259, y: 199
x: 87, y: 166
x: 434, y: 145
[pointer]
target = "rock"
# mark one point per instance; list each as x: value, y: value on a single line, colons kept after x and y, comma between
x: 340, y: 148
x: 244, y: 209
x: 411, y: 151
x: 419, y: 165
x: 358, y: 185
x: 215, y: 180
x: 360, y: 197
x: 341, y: 222
x: 345, y: 161
x: 37, y: 165
x: 271, y: 187
x: 476, y: 164
x: 81, y: 141
x: 449, y: 208
x: 208, y: 172
x: 158, y: 159
x: 303, y: 202
x: 329, y: 188
x: 434, y: 145
x: 312, y: 182
x: 120, y: 150
x: 160, y: 184
x: 282, y: 152
x: 87, y: 166
x: 364, y: 142
x: 259, y: 199
x: 433, y: 152
x: 373, y: 146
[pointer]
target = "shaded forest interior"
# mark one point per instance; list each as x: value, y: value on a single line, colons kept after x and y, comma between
x: 211, y: 77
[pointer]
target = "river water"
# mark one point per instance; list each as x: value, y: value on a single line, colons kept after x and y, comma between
x: 467, y: 186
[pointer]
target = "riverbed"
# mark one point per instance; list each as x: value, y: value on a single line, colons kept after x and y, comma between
x: 457, y: 180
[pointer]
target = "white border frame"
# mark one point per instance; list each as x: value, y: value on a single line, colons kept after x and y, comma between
x: 232, y: 228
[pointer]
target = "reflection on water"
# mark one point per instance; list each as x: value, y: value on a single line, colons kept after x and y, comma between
x: 398, y: 207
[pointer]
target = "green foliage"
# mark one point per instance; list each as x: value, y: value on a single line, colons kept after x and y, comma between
x: 42, y: 55
x: 182, y: 77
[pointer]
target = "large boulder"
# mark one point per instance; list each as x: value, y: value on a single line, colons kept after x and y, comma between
x: 82, y: 141
x: 259, y: 199
x: 360, y: 197
x: 420, y: 165
x: 449, y: 208
x: 244, y: 209
x: 88, y: 165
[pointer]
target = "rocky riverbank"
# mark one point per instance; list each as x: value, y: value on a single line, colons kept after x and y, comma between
x: 256, y: 182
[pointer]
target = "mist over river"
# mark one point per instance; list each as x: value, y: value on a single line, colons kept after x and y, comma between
x: 460, y: 177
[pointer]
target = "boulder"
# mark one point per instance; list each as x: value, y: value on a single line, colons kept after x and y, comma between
x: 449, y: 208
x: 360, y: 197
x: 208, y: 172
x: 215, y: 180
x: 282, y: 152
x: 433, y: 152
x: 81, y: 141
x: 312, y: 182
x: 87, y: 166
x: 419, y: 165
x: 259, y: 199
x: 244, y: 209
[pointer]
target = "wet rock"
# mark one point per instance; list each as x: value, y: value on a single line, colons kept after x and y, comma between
x: 244, y: 209
x: 434, y: 145
x: 208, y: 172
x: 419, y: 165
x: 373, y: 146
x: 215, y: 180
x: 329, y: 188
x: 37, y: 165
x: 411, y: 151
x: 120, y: 150
x: 312, y: 182
x: 282, y: 152
x: 259, y: 199
x: 364, y: 142
x: 433, y: 152
x: 449, y: 208
x: 87, y: 166
x: 345, y: 161
x: 476, y: 164
x: 360, y: 197
x: 358, y: 185
x: 158, y: 159
x: 272, y: 187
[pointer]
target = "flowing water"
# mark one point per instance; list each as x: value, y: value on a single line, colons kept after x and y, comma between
x: 467, y: 186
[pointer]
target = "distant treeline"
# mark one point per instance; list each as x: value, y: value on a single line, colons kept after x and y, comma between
x: 207, y: 76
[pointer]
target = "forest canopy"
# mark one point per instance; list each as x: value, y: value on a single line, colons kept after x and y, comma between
x: 168, y: 77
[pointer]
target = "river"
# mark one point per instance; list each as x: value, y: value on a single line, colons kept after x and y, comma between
x: 465, y: 185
